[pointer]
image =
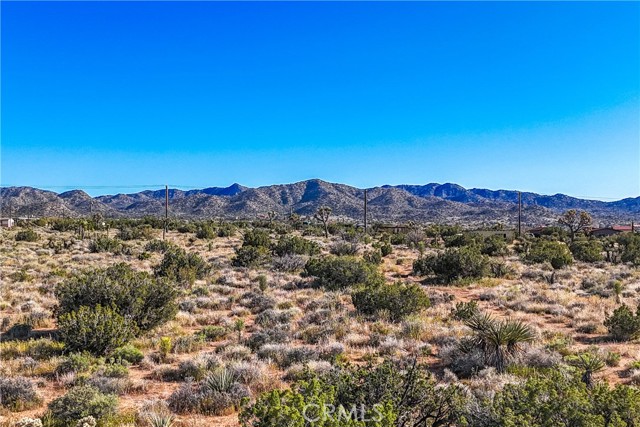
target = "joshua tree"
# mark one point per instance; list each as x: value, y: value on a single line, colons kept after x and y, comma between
x: 499, y: 340
x: 322, y: 214
x: 272, y: 216
x: 575, y: 221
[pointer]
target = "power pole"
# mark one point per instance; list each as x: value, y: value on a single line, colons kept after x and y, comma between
x: 365, y: 211
x: 519, y: 214
x: 166, y: 211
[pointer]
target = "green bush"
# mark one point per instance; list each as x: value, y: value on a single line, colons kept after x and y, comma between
x: 182, y: 267
x: 587, y: 250
x: 157, y: 245
x: 251, y: 256
x: 631, y: 247
x: 309, y: 401
x: 145, y: 300
x: 27, y: 236
x: 623, y: 325
x: 97, y: 329
x: 106, y: 244
x: 128, y: 353
x: 81, y: 402
x: 336, y: 273
x: 143, y: 232
x: 294, y: 245
x: 206, y: 232
x: 398, y: 299
x: 494, y: 246
x: 258, y: 237
x: 454, y: 264
x: 551, y: 251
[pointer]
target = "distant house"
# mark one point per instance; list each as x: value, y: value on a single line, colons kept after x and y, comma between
x: 612, y: 230
x: 509, y: 235
x: 6, y: 222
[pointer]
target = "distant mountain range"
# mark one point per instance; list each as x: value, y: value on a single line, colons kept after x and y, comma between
x: 423, y: 203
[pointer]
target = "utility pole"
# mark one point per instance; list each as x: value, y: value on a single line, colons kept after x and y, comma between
x: 166, y: 211
x: 519, y: 214
x: 365, y: 211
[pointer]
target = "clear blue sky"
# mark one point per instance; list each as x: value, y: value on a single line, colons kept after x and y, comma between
x: 533, y: 96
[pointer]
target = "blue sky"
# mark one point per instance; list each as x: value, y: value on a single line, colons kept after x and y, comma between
x: 109, y: 96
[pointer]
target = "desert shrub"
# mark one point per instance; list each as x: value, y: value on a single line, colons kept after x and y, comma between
x: 80, y: 402
x: 213, y: 333
x: 257, y: 237
x: 206, y: 232
x: 97, y: 329
x: 40, y: 349
x: 630, y: 243
x: 257, y: 302
x: 344, y: 248
x: 336, y: 273
x: 141, y: 298
x: 271, y: 318
x: 18, y: 393
x: 28, y: 235
x: 373, y: 256
x: 386, y: 249
x: 453, y: 264
x: 182, y: 267
x: 251, y: 256
x: 219, y: 393
x: 388, y: 394
x: 460, y: 240
x: 623, y: 324
x: 587, y: 250
x: 294, y: 245
x: 288, y: 263
x: 77, y: 362
x: 551, y: 251
x: 493, y: 246
x: 226, y: 230
x: 267, y: 336
x: 128, y: 353
x: 558, y: 399
x: 157, y: 245
x: 106, y: 244
x: 285, y: 355
x: 398, y: 299
x: 135, y: 233
x: 465, y: 310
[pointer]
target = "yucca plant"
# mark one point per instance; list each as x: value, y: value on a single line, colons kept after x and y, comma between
x: 156, y: 419
x: 589, y: 364
x: 220, y: 381
x: 500, y: 341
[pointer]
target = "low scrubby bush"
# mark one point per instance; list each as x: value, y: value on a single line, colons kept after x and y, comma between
x: 399, y: 300
x: 551, y: 251
x: 182, y: 267
x: 294, y: 245
x: 97, y: 329
x: 454, y: 264
x: 144, y: 300
x: 27, y: 236
x: 80, y: 402
x: 18, y: 394
x: 335, y: 273
x: 623, y: 324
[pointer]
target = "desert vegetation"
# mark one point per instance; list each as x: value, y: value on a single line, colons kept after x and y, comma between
x: 280, y: 321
